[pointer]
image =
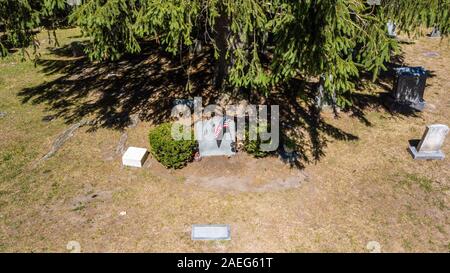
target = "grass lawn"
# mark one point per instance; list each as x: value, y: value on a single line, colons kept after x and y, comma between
x: 362, y: 189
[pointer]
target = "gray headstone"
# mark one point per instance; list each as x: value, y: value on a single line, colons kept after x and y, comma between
x: 435, y: 33
x: 431, y: 143
x: 374, y: 2
x: 211, y: 232
x: 209, y: 144
x: 188, y: 102
x: 433, y: 138
x: 409, y: 87
x: 288, y: 154
x: 391, y: 29
x: 74, y: 2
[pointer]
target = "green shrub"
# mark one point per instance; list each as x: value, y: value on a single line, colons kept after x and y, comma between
x: 169, y: 152
x: 253, y: 147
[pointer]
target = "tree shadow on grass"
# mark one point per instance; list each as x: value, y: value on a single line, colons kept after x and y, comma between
x: 109, y: 94
x: 312, y: 133
x: 363, y: 101
x: 302, y: 122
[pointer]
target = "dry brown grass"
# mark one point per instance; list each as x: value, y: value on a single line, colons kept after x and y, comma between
x: 364, y: 190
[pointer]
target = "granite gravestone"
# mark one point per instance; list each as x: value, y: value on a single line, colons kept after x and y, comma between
x: 187, y: 102
x: 74, y: 2
x: 435, y: 33
x: 392, y: 29
x: 212, y: 143
x: 288, y: 154
x: 430, y: 145
x: 325, y: 99
x: 409, y: 87
x: 374, y: 2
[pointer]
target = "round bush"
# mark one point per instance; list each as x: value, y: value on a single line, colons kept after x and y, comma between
x: 169, y: 152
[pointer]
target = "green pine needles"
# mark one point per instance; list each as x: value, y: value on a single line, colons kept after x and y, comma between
x: 21, y: 19
x: 258, y: 44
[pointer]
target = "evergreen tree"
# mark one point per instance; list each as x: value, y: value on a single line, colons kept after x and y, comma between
x: 21, y: 19
x: 258, y: 44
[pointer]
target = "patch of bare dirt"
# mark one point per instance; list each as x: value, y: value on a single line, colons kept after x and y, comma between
x: 243, y: 173
x: 81, y: 201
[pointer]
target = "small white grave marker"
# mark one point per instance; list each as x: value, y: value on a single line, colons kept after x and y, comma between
x: 74, y: 247
x: 211, y: 232
x: 134, y: 157
x: 430, y: 145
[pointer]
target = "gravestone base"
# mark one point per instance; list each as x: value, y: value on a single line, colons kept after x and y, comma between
x: 403, y: 106
x: 429, y: 146
x: 435, y: 33
x: 419, y: 106
x: 438, y: 155
x: 211, y: 148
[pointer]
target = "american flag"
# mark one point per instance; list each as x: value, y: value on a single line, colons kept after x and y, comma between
x: 220, y: 127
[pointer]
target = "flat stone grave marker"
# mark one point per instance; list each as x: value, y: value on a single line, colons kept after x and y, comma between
x: 430, y: 145
x: 134, y: 157
x: 48, y: 118
x: 211, y: 232
x: 3, y: 114
x: 431, y: 54
x: 212, y: 144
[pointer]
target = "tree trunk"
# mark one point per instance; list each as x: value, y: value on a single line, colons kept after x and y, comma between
x: 222, y: 31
